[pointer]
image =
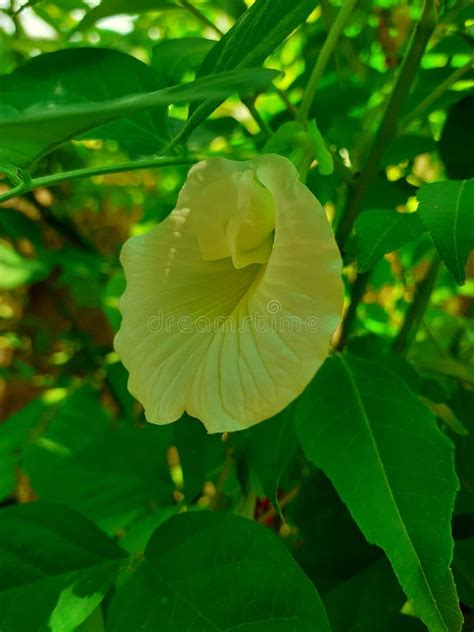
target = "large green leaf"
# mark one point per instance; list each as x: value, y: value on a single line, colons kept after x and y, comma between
x: 79, y: 461
x: 394, y: 469
x: 381, y: 231
x: 90, y: 75
x: 26, y: 136
x: 257, y: 33
x: 214, y: 572
x: 447, y: 210
x: 55, y: 568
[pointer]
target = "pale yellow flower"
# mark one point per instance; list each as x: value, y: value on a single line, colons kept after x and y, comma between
x: 232, y: 300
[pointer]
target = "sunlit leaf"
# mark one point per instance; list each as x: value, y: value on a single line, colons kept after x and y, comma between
x: 26, y: 136
x: 372, y: 443
x: 248, y: 43
x: 55, y: 568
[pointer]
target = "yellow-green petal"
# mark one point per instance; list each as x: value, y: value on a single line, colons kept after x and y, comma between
x: 230, y: 339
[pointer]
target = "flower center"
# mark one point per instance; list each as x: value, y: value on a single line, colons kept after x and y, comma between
x: 235, y: 217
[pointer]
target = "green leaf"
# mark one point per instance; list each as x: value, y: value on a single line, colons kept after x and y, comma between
x: 27, y: 136
x: 16, y: 271
x: 447, y: 209
x: 81, y: 447
x: 272, y: 445
x: 368, y: 601
x: 258, y: 32
x: 201, y: 455
x: 394, y: 469
x: 55, y: 568
x: 381, y: 231
x: 91, y: 75
x: 14, y: 434
x: 108, y: 8
x: 173, y: 58
x: 212, y: 572
x: 331, y: 548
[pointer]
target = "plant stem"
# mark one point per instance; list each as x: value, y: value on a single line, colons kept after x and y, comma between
x: 416, y: 311
x: 437, y: 92
x: 385, y: 133
x: 273, y: 512
x: 284, y: 97
x: 357, y: 293
x: 388, y: 125
x: 57, y: 178
x: 323, y: 58
x: 201, y: 17
x: 263, y: 125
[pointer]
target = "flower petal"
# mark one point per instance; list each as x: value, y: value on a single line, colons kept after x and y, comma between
x: 249, y: 339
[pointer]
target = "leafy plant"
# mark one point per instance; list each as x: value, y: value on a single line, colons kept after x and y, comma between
x: 353, y: 507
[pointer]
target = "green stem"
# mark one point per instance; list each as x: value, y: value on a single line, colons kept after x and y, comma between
x: 327, y: 13
x: 388, y: 125
x: 417, y: 309
x: 385, y: 133
x: 284, y: 97
x: 201, y: 17
x: 323, y: 59
x: 437, y: 92
x: 263, y: 125
x: 357, y: 293
x: 57, y: 178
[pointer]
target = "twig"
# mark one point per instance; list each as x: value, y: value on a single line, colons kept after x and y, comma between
x: 263, y: 125
x: 323, y: 59
x: 201, y: 17
x: 388, y: 125
x: 417, y: 309
x: 288, y: 498
x: 57, y: 178
x: 226, y: 471
x: 357, y: 294
x: 435, y: 94
x: 385, y: 133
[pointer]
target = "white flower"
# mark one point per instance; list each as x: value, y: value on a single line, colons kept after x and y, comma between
x: 232, y: 300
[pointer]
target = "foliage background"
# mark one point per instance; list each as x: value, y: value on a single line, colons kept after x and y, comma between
x: 103, y: 520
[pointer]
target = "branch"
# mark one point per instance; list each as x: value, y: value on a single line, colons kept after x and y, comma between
x: 417, y: 309
x: 385, y: 133
x: 435, y: 94
x: 57, y: 178
x: 201, y: 17
x: 323, y: 59
x: 388, y: 125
